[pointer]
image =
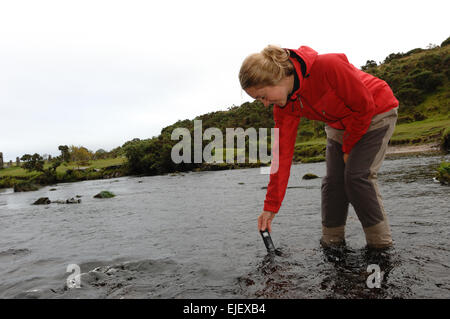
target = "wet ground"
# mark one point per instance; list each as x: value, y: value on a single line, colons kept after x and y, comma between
x: 195, y: 236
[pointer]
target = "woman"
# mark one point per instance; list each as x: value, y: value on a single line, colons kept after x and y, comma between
x: 360, y: 112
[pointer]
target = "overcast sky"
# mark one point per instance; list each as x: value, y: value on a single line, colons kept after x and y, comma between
x: 100, y: 73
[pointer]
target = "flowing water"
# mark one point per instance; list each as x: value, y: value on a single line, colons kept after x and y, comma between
x: 194, y: 235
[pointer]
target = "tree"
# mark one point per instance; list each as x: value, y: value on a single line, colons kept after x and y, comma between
x: 369, y: 64
x: 393, y: 56
x: 55, y: 162
x: 33, y: 162
x: 65, y: 155
x: 445, y: 42
x: 100, y: 154
x: 80, y: 153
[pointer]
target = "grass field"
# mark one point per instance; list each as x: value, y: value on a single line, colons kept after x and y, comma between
x: 421, y: 131
x: 18, y: 171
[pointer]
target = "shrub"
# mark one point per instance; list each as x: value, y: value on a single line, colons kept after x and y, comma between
x: 418, y: 116
x: 314, y: 159
x: 393, y: 56
x: 445, y: 42
x: 7, y: 182
x: 431, y: 62
x: 443, y: 173
x: 410, y: 96
x: 405, y: 119
x: 427, y: 80
x: 413, y: 51
x: 369, y: 65
x: 445, y: 140
x: 25, y: 186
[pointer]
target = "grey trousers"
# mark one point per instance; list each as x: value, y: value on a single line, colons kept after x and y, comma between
x: 355, y: 183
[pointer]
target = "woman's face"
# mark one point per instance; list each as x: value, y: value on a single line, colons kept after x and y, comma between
x: 269, y: 94
x: 273, y: 94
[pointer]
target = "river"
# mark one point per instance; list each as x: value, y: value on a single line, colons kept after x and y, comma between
x: 194, y: 235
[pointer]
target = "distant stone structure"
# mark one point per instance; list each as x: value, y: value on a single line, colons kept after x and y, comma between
x: 10, y: 163
x: 1, y: 160
x: 49, y: 158
x: 17, y: 161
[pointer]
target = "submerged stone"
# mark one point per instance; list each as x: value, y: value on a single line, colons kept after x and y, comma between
x: 309, y: 176
x: 42, y: 201
x: 73, y: 201
x: 104, y: 194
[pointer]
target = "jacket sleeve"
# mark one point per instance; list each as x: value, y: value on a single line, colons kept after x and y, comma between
x: 282, y: 154
x: 345, y: 79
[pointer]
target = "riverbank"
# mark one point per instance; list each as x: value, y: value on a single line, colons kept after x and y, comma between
x: 307, y: 152
x: 430, y: 148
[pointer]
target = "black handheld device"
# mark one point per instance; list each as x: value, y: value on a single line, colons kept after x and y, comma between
x: 268, y: 241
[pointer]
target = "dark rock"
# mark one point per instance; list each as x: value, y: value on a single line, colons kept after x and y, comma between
x: 309, y: 176
x: 42, y: 201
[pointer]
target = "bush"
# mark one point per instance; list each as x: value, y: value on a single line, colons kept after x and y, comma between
x: 411, y: 97
x: 443, y: 173
x: 73, y: 175
x: 314, y: 159
x: 427, y: 80
x: 369, y: 65
x: 393, y: 56
x: 7, y: 182
x: 419, y: 116
x: 25, y: 186
x: 445, y: 140
x: 310, y: 150
x: 413, y: 51
x: 431, y: 62
x: 405, y: 119
x: 445, y: 42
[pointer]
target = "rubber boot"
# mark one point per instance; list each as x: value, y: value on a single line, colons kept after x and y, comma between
x: 333, y: 236
x: 379, y: 235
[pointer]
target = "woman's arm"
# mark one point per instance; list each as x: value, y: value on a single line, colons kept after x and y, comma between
x: 287, y: 126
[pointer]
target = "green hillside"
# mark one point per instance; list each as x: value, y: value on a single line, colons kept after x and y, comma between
x: 419, y: 79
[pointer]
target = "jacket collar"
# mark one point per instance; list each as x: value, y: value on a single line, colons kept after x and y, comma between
x: 303, y: 58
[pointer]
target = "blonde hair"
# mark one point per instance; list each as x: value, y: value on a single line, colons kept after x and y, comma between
x: 266, y: 68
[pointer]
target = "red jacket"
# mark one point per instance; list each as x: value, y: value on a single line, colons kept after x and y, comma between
x: 333, y: 91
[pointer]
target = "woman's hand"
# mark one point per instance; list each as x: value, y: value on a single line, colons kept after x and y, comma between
x: 265, y: 221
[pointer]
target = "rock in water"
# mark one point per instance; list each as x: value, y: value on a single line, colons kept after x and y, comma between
x: 309, y: 176
x: 42, y: 201
x: 73, y: 201
x: 104, y: 194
